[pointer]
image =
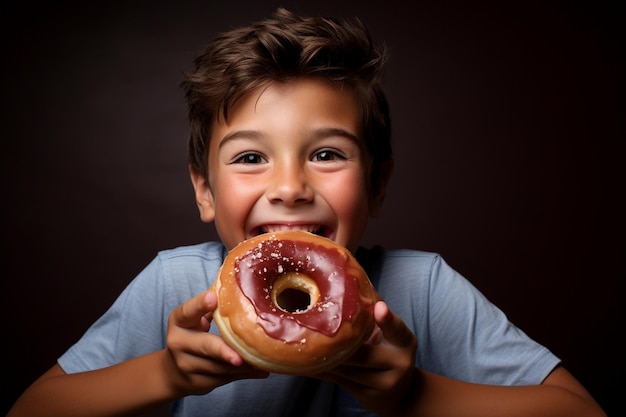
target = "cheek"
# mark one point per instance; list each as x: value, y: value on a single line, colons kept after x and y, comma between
x: 348, y: 197
x: 234, y: 196
x: 351, y: 202
x: 350, y: 205
x: 234, y: 200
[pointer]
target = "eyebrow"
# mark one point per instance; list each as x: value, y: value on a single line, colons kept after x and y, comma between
x: 240, y: 134
x: 317, y: 133
x: 335, y: 131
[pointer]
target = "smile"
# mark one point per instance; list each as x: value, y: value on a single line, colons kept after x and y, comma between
x: 311, y: 228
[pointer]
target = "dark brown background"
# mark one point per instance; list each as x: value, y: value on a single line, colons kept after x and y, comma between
x: 508, y: 130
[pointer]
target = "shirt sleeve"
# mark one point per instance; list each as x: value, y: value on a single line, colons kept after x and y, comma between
x: 136, y: 323
x: 460, y: 333
x: 129, y: 328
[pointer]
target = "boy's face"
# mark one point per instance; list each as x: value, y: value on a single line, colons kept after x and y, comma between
x: 290, y: 156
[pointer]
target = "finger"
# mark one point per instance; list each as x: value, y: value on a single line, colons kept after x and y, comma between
x: 195, y: 313
x: 367, y: 357
x: 204, y: 372
x: 393, y: 328
x: 339, y: 379
x: 199, y: 353
x: 361, y: 382
x: 376, y: 337
x: 202, y: 344
x: 214, y: 346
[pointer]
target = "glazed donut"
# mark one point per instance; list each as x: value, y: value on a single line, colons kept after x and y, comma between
x: 293, y: 302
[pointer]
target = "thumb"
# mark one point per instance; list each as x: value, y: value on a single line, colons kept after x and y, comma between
x: 197, y: 312
x: 393, y: 328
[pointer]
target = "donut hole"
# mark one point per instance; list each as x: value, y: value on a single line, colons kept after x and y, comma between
x: 294, y: 293
x: 293, y: 300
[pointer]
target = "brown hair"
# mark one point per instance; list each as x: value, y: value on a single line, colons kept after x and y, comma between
x: 278, y: 49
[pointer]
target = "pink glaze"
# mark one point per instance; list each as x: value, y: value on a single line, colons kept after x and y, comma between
x: 339, y: 298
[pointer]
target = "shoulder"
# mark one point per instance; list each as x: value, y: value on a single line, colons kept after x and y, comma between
x: 411, y: 257
x: 179, y: 273
x: 206, y: 257
x: 409, y: 277
x: 380, y: 263
x: 207, y: 251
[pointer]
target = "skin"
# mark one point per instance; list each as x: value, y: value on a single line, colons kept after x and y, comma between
x: 291, y: 156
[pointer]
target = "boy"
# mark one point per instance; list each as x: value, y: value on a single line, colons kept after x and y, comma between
x: 290, y: 129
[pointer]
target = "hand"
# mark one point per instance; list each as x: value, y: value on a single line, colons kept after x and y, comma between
x: 199, y: 361
x: 381, y: 373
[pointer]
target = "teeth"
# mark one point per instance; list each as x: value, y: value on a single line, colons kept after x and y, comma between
x: 280, y: 227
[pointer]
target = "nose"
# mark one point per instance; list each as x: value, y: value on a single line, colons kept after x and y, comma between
x: 290, y: 185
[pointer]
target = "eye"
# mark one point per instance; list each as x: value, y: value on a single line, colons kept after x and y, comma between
x: 327, y: 155
x: 249, y: 158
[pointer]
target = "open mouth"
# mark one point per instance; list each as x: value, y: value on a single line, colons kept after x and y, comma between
x: 311, y: 228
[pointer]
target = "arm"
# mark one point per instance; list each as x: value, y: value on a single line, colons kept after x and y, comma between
x: 559, y: 395
x: 194, y: 362
x: 382, y: 376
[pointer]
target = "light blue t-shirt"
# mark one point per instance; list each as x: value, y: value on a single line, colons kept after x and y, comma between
x: 460, y: 333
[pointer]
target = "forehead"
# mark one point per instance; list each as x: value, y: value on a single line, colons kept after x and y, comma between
x: 301, y: 100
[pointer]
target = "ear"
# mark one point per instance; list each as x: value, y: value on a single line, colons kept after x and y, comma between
x: 204, y: 195
x: 378, y: 189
